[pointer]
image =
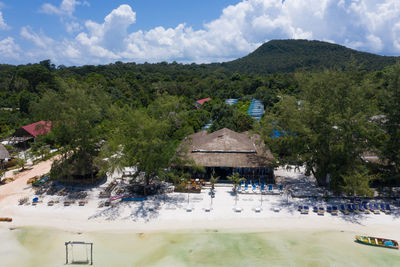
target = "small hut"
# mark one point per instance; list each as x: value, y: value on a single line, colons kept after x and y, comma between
x: 225, y: 152
x: 4, y: 155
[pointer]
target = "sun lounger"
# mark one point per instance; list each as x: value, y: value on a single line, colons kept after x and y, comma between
x: 189, y: 208
x: 299, y: 208
x: 321, y: 211
x: 237, y: 209
x: 280, y: 189
x: 355, y: 208
x: 270, y: 188
x: 262, y: 187
x: 388, y: 210
x: 371, y: 207
x: 67, y: 203
x: 254, y: 188
x: 50, y: 203
x: 361, y: 208
x: 257, y: 209
x: 334, y: 210
x: 350, y: 208
x: 329, y: 209
x: 276, y: 209
x: 35, y: 201
x: 344, y: 210
x: 366, y: 209
x: 246, y: 187
x: 207, y: 208
x: 376, y: 207
x: 305, y: 210
x: 315, y: 209
x: 382, y: 207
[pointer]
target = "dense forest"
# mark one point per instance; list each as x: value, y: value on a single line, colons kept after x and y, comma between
x: 324, y: 99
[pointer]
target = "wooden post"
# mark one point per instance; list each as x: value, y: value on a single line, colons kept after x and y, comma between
x: 91, y: 253
x: 66, y: 253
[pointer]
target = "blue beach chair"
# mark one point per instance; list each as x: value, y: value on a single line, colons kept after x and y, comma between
x: 388, y: 209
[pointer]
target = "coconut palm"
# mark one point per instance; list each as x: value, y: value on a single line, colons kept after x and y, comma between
x: 236, y: 180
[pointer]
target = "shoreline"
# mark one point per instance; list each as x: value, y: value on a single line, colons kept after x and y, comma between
x: 166, y: 213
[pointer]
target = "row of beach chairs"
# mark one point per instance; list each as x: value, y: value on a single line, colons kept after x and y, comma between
x: 260, y: 188
x: 346, y: 209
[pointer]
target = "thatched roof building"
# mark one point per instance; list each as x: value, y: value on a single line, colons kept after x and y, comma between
x: 226, y: 148
x: 3, y: 153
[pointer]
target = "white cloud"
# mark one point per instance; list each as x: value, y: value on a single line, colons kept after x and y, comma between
x: 40, y: 40
x: 3, y: 24
x: 9, y: 50
x: 66, y: 8
x: 368, y: 25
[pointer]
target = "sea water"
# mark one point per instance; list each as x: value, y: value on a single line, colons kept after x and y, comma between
x: 45, y: 247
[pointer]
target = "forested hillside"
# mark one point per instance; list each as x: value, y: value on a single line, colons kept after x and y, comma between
x: 323, y: 110
x: 290, y: 55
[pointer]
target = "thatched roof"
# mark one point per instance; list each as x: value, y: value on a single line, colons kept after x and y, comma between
x: 226, y: 148
x: 4, y: 153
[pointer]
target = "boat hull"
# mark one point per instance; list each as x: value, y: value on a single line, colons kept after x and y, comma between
x: 377, y: 242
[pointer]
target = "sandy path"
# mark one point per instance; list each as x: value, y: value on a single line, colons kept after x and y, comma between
x: 15, y: 190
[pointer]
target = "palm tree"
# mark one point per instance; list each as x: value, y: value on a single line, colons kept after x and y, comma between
x: 21, y: 163
x: 213, y: 181
x: 236, y: 180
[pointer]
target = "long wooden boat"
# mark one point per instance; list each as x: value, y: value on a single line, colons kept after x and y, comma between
x: 377, y: 242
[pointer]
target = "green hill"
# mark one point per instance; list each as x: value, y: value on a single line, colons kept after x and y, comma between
x: 290, y: 55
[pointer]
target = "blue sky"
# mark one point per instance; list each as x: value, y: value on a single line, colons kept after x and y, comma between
x: 78, y: 32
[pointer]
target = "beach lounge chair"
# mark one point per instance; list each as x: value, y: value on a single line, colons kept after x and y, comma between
x: 257, y: 209
x: 355, y: 208
x: 189, y: 208
x: 305, y: 210
x: 315, y: 209
x: 329, y: 209
x: 237, y: 209
x: 361, y: 208
x: 35, y: 201
x: 388, y: 210
x: 262, y: 187
x: 50, y: 203
x: 371, y: 207
x: 382, y: 207
x: 334, y: 210
x: 377, y: 210
x: 239, y: 189
x: 270, y: 188
x: 246, y: 188
x: 321, y: 211
x: 254, y: 188
x: 281, y: 189
x: 299, y: 208
x: 366, y: 210
x: 276, y: 209
x: 350, y: 208
x: 343, y: 209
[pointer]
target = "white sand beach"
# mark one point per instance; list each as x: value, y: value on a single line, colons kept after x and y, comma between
x: 169, y: 213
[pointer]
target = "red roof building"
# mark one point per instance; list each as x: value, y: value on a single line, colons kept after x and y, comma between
x: 34, y: 130
x: 200, y: 102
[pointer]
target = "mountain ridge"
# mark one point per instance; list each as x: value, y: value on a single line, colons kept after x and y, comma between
x: 290, y: 55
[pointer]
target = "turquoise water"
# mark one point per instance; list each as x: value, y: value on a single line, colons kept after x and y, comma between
x: 45, y: 247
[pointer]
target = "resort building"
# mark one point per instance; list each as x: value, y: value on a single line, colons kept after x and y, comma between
x: 225, y: 152
x: 30, y: 132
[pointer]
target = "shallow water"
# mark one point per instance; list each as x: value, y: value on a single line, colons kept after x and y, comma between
x: 45, y: 247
